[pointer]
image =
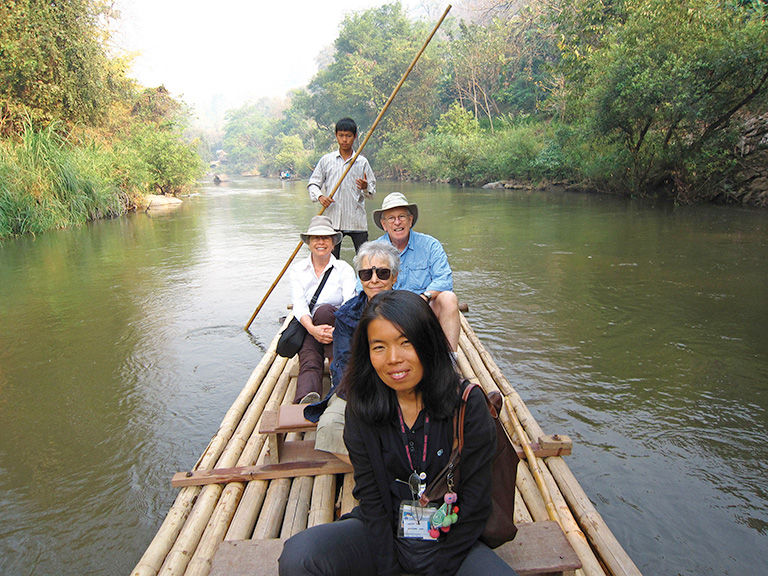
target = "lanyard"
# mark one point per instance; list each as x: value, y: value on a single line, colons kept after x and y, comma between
x: 409, y: 445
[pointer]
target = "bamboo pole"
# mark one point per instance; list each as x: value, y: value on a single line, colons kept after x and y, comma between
x: 297, y: 509
x: 526, y: 418
x: 600, y: 536
x: 189, y: 538
x: 562, y: 476
x: 225, y: 509
x: 589, y: 561
x: 156, y: 553
x: 272, y: 513
x: 486, y: 375
x: 348, y: 500
x: 200, y: 563
x: 354, y: 158
x: 528, y: 499
x: 521, y: 510
x: 321, y: 511
x: 530, y: 493
x: 247, y: 512
x: 271, y: 516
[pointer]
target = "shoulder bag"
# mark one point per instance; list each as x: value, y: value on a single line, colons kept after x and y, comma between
x: 500, y: 527
x: 292, y: 337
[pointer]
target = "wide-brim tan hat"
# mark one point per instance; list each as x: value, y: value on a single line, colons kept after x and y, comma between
x: 321, y: 226
x: 395, y: 200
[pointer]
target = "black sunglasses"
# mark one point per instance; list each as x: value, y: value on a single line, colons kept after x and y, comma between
x: 366, y: 274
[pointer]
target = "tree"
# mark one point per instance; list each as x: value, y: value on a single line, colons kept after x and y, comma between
x: 372, y: 51
x: 669, y: 82
x: 54, y: 64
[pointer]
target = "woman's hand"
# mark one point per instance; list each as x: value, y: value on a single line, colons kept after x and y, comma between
x: 323, y: 333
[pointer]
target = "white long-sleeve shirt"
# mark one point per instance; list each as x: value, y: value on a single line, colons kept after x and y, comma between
x: 348, y: 209
x: 339, y: 287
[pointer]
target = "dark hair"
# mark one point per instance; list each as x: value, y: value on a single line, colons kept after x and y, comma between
x: 367, y: 395
x: 347, y: 125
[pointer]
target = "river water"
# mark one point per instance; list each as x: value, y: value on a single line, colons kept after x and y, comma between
x: 640, y: 330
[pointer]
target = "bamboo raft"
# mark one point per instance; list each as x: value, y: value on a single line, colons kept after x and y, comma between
x: 202, y: 517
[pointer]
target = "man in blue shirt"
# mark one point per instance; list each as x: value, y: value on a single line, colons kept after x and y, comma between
x: 424, y: 267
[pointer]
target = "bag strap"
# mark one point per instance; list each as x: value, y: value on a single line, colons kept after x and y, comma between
x: 319, y: 289
x: 463, y: 409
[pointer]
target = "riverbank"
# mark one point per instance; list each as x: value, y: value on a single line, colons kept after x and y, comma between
x: 49, y: 181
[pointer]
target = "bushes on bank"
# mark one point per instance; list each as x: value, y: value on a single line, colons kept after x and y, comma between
x: 48, y: 182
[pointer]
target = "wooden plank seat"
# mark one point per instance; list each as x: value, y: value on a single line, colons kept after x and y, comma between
x: 277, y: 423
x: 288, y: 459
x: 539, y: 549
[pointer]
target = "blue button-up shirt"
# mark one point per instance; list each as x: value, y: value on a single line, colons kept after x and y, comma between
x: 423, y: 265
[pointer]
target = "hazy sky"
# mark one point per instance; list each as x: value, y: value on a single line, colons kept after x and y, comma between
x: 219, y: 54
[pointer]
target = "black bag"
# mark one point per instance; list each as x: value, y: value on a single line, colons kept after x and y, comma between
x: 500, y: 527
x: 292, y: 337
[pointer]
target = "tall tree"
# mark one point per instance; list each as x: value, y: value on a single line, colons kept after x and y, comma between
x: 372, y: 51
x: 53, y: 62
x: 667, y: 83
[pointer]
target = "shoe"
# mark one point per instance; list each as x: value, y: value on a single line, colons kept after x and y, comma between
x: 310, y: 398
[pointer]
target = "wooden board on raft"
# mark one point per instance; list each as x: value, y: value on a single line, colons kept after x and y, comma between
x: 539, y: 549
x: 298, y: 458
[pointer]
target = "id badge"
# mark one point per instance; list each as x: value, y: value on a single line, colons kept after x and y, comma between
x: 414, y: 520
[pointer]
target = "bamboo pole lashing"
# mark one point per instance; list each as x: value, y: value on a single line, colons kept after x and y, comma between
x: 589, y: 561
x: 189, y: 538
x: 357, y: 153
x: 157, y: 552
x: 600, y: 536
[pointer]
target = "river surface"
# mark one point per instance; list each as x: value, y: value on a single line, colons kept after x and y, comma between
x: 639, y: 329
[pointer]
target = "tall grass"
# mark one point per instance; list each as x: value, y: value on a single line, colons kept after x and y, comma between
x: 47, y: 183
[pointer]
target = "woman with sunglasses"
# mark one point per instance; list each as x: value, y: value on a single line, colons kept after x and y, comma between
x: 402, y: 392
x: 376, y: 265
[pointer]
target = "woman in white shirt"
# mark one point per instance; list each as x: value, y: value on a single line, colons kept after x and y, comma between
x: 306, y: 276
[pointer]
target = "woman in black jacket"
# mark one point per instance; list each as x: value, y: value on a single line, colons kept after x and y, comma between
x: 402, y: 392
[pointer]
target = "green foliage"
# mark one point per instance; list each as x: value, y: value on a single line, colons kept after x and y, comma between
x: 663, y: 82
x: 373, y: 50
x: 54, y: 64
x: 173, y: 165
x: 77, y: 139
x: 47, y: 183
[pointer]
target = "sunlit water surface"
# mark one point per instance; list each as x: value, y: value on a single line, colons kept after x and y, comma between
x: 639, y: 330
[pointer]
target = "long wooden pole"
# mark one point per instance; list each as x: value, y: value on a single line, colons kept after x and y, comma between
x: 354, y: 158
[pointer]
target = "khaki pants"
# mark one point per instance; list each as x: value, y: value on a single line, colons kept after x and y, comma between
x: 330, y: 427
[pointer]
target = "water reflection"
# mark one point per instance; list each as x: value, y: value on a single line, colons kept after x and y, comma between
x: 639, y: 330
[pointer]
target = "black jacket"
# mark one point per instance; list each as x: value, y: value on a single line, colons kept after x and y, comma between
x: 378, y: 456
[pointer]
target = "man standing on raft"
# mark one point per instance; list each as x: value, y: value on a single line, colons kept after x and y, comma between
x: 347, y: 207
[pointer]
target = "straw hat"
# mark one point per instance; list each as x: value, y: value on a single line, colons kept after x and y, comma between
x: 395, y: 200
x: 321, y: 226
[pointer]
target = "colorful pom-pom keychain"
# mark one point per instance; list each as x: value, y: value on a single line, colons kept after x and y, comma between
x: 444, y: 516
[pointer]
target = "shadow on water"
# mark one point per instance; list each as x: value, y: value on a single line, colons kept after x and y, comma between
x: 637, y: 329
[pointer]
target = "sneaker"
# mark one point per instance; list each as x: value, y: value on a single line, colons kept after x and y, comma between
x: 310, y: 398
